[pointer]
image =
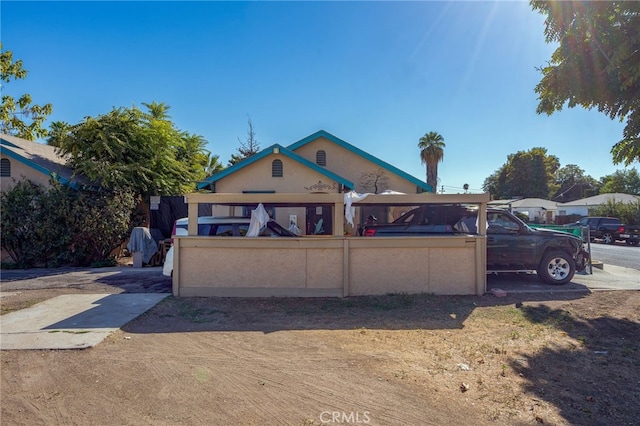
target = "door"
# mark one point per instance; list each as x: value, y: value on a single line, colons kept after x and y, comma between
x: 319, y: 220
x: 509, y: 246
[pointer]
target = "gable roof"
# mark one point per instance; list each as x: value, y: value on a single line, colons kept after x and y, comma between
x: 597, y: 200
x: 40, y: 157
x: 268, y: 151
x: 361, y: 153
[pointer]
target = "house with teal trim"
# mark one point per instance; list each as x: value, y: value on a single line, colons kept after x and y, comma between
x: 318, y: 163
x: 23, y: 159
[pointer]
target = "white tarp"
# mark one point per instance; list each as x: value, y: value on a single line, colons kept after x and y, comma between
x: 353, y: 197
x: 350, y: 211
x: 259, y: 218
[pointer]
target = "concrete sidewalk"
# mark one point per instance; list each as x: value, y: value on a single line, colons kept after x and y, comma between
x: 72, y: 321
x: 609, y: 278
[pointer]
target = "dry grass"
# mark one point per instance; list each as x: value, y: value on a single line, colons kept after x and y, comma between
x: 571, y: 359
x: 516, y: 360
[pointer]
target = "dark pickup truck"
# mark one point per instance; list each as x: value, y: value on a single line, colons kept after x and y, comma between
x: 610, y: 229
x: 631, y: 234
x: 512, y: 246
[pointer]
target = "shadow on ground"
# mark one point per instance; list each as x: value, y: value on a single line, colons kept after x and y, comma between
x: 595, y: 383
x: 99, y: 280
x: 389, y: 312
x: 32, y: 273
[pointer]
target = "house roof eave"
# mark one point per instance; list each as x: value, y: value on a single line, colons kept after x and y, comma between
x: 266, y: 152
x: 361, y: 153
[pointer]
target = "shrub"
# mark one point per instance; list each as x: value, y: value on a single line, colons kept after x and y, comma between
x: 100, y: 223
x: 628, y: 213
x: 21, y: 209
x: 59, y: 225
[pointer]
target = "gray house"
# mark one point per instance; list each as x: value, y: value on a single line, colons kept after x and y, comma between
x: 21, y: 158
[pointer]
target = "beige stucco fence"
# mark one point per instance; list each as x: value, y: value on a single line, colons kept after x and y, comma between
x: 335, y: 265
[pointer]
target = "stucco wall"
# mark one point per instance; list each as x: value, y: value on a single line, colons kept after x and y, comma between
x: 327, y: 266
x: 569, y: 210
x: 257, y: 177
x: 351, y: 166
x: 438, y: 265
x: 301, y: 179
x: 330, y: 265
x: 258, y: 267
x: 18, y: 170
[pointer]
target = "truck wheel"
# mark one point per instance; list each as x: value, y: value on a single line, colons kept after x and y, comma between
x: 633, y: 242
x: 607, y: 238
x: 556, y: 267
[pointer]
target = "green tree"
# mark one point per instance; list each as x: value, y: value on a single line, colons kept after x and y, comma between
x: 58, y: 131
x: 20, y: 117
x: 628, y: 213
x: 128, y: 148
x: 573, y: 184
x: 494, y: 184
x: 431, y: 153
x: 525, y: 174
x: 213, y: 165
x: 158, y: 110
x: 596, y: 65
x: 248, y: 148
x: 624, y: 181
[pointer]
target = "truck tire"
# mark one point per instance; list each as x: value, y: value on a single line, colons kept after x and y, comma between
x: 556, y: 267
x: 607, y: 238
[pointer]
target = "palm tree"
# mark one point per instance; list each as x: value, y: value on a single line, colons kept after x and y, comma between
x: 431, y: 153
x: 213, y: 165
x: 58, y: 131
x: 158, y: 111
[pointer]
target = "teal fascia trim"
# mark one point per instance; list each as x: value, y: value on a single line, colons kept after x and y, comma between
x: 229, y: 170
x: 289, y: 153
x: 34, y: 166
x: 268, y: 151
x: 361, y: 153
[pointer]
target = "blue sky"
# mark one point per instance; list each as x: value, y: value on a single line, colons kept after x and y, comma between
x: 378, y: 75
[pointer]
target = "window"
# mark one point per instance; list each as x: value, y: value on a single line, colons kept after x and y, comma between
x: 276, y: 168
x: 321, y: 158
x: 5, y: 168
x: 501, y: 224
x: 224, y: 230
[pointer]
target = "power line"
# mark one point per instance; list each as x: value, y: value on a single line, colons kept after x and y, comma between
x: 455, y: 189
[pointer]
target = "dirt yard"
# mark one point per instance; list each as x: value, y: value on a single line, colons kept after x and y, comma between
x: 563, y: 359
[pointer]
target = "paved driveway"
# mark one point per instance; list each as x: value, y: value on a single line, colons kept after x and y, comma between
x: 609, y: 278
x: 110, y: 298
x: 117, y: 279
x: 72, y: 321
